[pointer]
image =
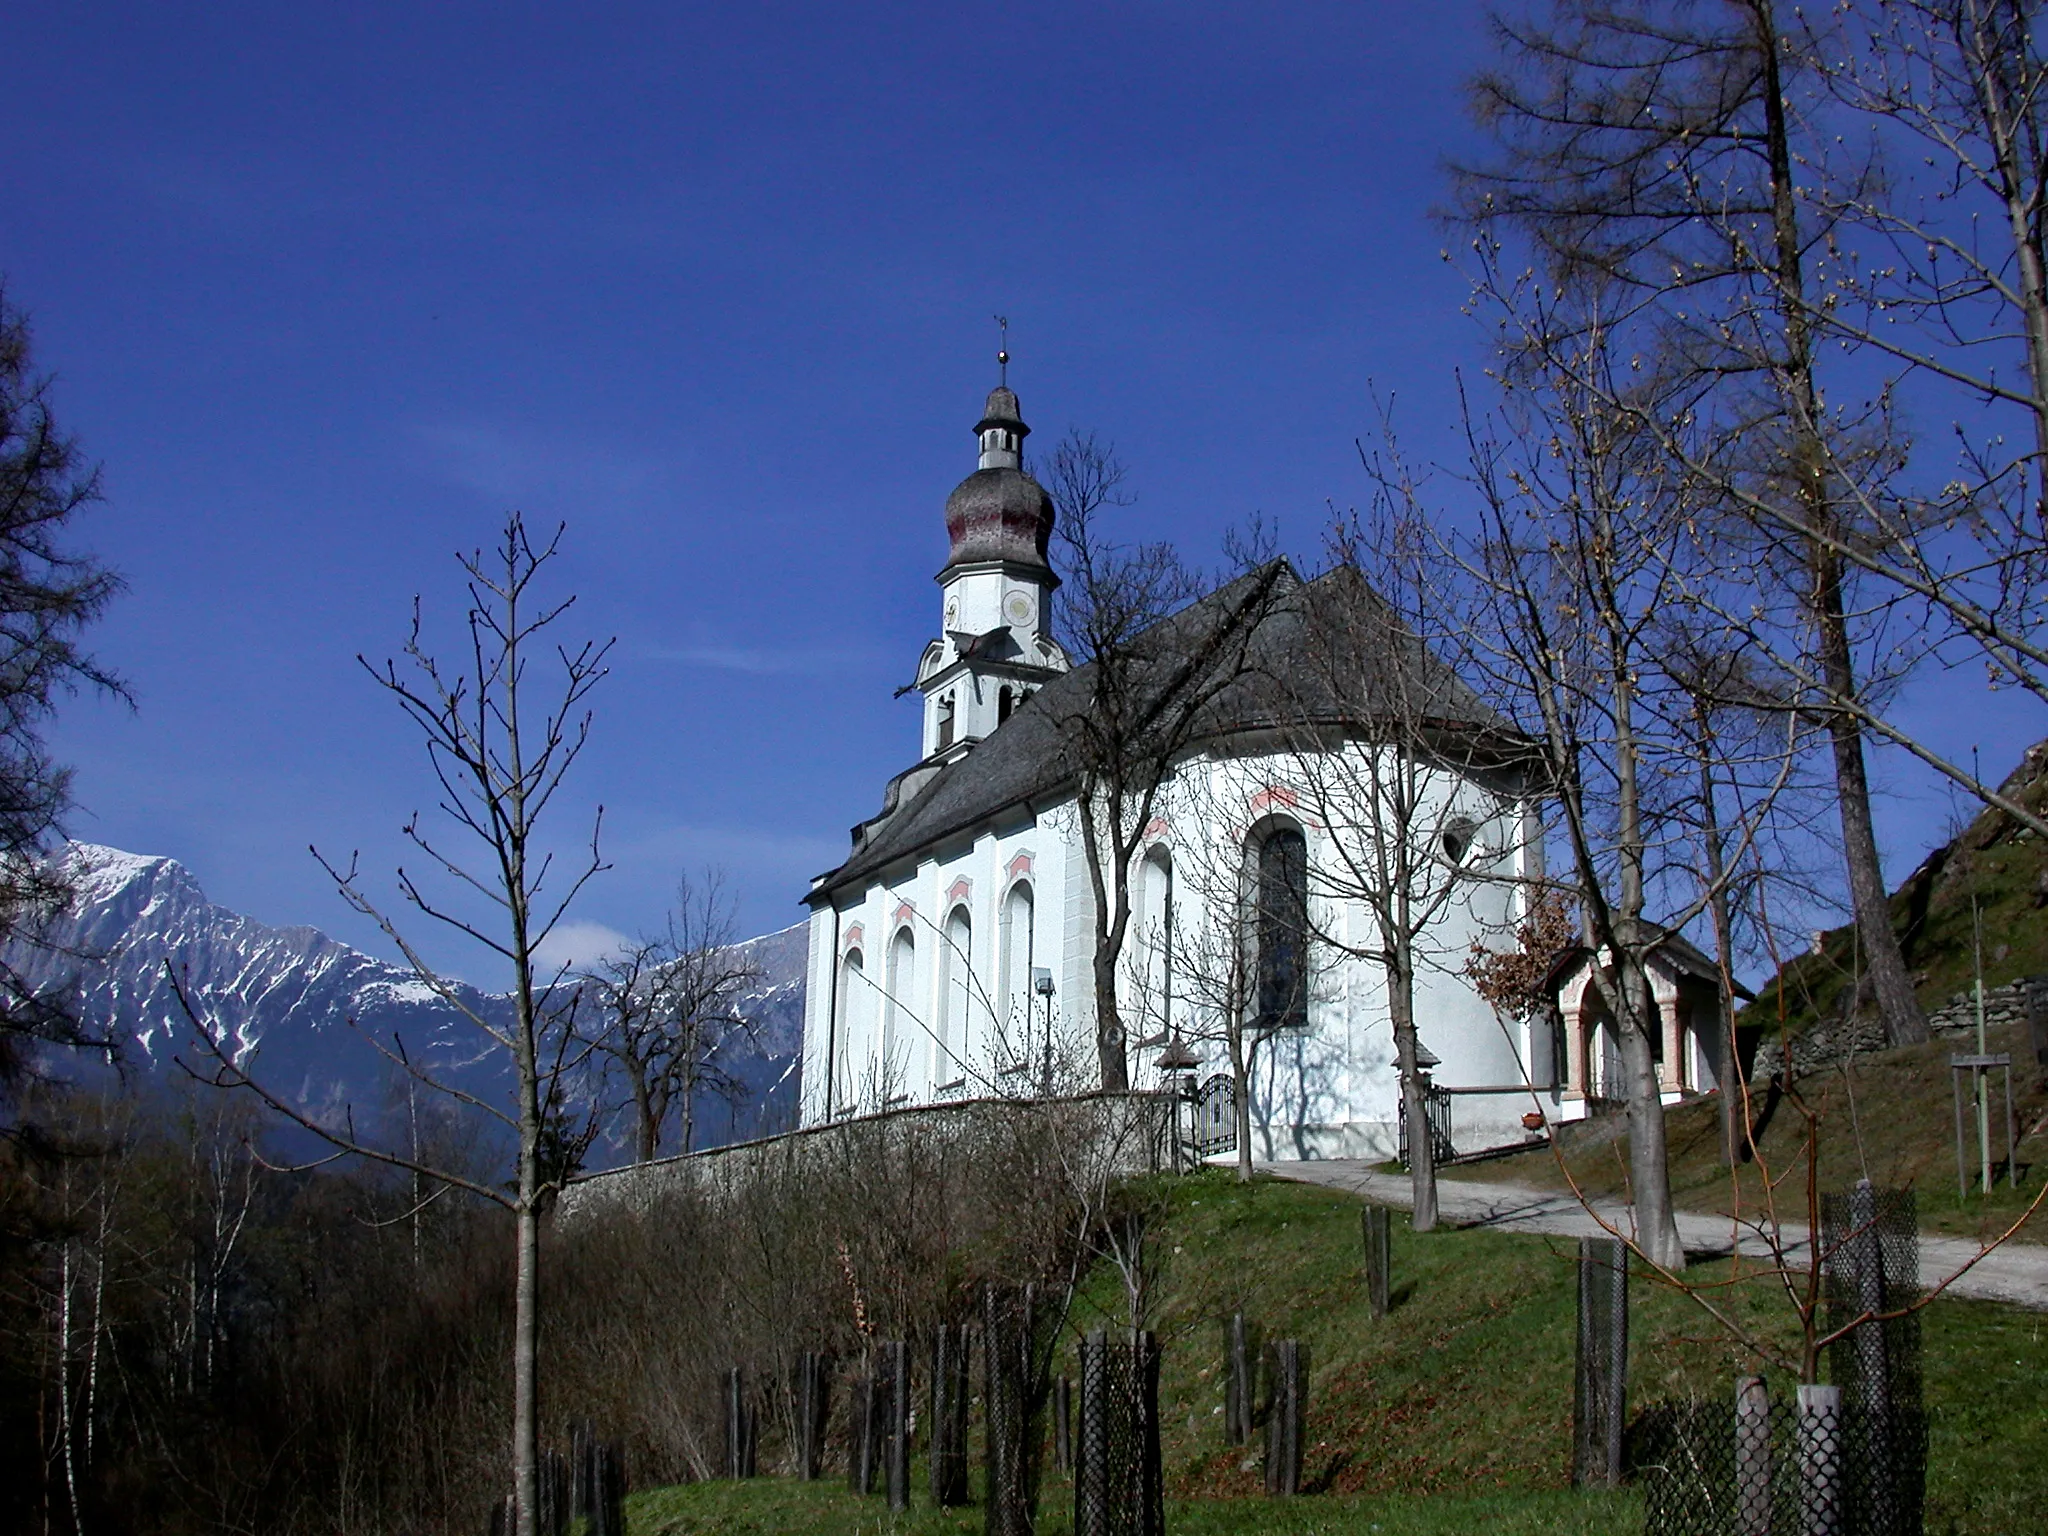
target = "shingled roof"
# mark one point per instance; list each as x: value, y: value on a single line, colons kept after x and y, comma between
x: 1323, y: 653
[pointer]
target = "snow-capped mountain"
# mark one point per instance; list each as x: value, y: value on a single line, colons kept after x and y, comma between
x: 298, y: 1004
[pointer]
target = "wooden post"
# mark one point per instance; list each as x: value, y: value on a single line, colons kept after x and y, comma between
x: 582, y: 1450
x: 1063, y: 1423
x: 1151, y: 1466
x: 553, y: 1516
x: 741, y: 1429
x: 814, y: 1406
x: 1241, y: 1389
x: 864, y: 1454
x: 1287, y: 1365
x: 949, y: 1416
x: 1379, y: 1265
x: 896, y: 1363
x: 1820, y: 1436
x: 1600, y: 1386
x: 1752, y: 1457
x: 607, y: 1489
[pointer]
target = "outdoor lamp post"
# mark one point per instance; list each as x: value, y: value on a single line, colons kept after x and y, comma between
x: 1041, y: 983
x: 1177, y: 1058
x: 1426, y: 1061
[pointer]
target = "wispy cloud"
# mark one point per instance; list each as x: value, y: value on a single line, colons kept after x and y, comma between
x: 527, y: 467
x: 763, y: 660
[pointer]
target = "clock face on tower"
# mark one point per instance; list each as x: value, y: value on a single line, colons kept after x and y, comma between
x: 1017, y: 608
x: 952, y: 613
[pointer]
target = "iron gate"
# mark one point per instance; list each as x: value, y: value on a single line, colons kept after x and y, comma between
x: 1214, y: 1121
x: 1436, y: 1103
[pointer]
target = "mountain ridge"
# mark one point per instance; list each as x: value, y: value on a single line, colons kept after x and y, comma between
x: 300, y: 1002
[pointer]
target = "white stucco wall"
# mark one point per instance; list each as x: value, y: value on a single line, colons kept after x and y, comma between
x: 1329, y: 1089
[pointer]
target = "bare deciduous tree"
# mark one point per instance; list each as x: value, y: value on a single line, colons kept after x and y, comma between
x: 500, y: 751
x: 666, y: 1013
x: 1396, y: 760
x: 1580, y: 585
x: 1149, y: 688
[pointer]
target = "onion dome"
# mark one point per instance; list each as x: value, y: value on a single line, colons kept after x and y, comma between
x: 999, y: 512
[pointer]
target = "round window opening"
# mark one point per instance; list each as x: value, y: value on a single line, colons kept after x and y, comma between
x: 1458, y: 838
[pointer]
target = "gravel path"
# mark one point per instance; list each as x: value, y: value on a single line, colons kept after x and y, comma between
x: 2016, y: 1273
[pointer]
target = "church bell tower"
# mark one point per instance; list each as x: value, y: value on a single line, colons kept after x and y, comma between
x: 996, y: 647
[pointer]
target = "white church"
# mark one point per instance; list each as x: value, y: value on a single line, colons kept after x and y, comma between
x: 951, y: 954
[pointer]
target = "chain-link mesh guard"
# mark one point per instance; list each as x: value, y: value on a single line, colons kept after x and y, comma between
x: 1751, y: 1466
x: 1016, y: 1373
x: 1600, y: 1372
x: 1870, y: 1253
x: 1117, y: 1482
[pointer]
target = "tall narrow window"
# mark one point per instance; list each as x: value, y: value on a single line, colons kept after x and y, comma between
x: 1003, y: 704
x: 899, y: 1016
x: 855, y: 1010
x: 1018, y: 917
x: 956, y: 993
x: 945, y: 722
x: 1156, y: 895
x: 1282, y: 927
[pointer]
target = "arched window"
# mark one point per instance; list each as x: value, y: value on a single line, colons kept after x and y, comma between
x: 856, y: 1008
x: 1281, y: 927
x: 956, y: 995
x: 899, y: 1016
x: 945, y: 722
x: 1019, y: 918
x: 1003, y: 704
x: 1155, y: 896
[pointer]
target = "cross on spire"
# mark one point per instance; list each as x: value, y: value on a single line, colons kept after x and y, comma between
x: 1003, y: 350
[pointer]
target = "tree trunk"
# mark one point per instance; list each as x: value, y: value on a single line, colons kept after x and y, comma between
x: 1414, y: 1108
x: 525, y: 1360
x: 1903, y: 1023
x: 1109, y: 1024
x: 1241, y: 1100
x: 645, y: 1138
x: 1649, y: 1175
x: 1727, y: 1063
x: 1633, y: 1007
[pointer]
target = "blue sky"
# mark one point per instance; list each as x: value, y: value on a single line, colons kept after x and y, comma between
x: 329, y: 289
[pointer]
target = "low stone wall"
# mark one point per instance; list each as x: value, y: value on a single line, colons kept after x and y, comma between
x: 1128, y: 1130
x: 1827, y: 1044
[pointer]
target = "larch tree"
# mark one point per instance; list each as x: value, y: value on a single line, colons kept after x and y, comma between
x: 1673, y: 149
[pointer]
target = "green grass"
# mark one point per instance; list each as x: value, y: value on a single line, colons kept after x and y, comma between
x: 1889, y: 1115
x: 781, y: 1508
x: 1451, y: 1414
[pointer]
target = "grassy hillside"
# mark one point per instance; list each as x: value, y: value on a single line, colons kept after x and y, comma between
x: 1994, y: 861
x: 1888, y: 1115
x: 1453, y: 1413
